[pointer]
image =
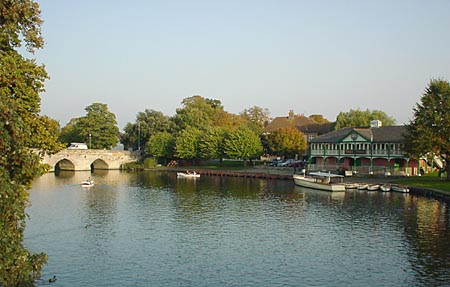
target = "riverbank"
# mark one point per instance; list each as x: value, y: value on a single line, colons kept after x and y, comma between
x: 286, y: 173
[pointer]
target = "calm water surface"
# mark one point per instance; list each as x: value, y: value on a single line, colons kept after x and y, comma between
x: 152, y: 229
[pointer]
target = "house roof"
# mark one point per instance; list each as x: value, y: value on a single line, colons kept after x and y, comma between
x: 385, y: 134
x: 290, y: 121
x: 316, y: 128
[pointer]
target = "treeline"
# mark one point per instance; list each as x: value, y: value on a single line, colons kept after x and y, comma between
x: 201, y: 129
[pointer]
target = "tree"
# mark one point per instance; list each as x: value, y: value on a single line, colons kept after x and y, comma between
x: 21, y: 130
x: 147, y: 123
x: 211, y: 143
x: 429, y: 130
x: 197, y: 112
x: 99, y: 127
x: 186, y: 145
x: 70, y: 133
x: 242, y: 143
x: 358, y: 118
x: 161, y: 144
x: 256, y: 117
x: 319, y: 119
x: 286, y: 142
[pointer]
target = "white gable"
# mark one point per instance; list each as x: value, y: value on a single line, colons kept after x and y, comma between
x: 354, y: 137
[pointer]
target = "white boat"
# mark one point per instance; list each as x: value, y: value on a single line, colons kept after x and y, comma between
x: 385, y: 187
x: 373, y: 187
x: 351, y: 185
x: 188, y: 174
x: 362, y: 186
x: 87, y: 183
x: 400, y: 188
x: 321, y: 180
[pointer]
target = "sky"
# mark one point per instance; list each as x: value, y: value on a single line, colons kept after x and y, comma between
x: 312, y: 57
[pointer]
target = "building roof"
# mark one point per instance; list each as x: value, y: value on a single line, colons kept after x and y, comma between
x: 387, y: 134
x: 316, y: 128
x: 283, y: 122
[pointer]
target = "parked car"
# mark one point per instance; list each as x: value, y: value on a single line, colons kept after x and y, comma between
x: 288, y: 162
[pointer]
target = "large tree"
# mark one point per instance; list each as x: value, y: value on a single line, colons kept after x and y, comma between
x: 257, y: 118
x: 211, y: 143
x: 22, y: 129
x: 429, y: 130
x: 286, y: 142
x: 242, y: 143
x: 161, y: 144
x: 98, y: 128
x: 186, y: 145
x: 148, y: 123
x: 358, y: 118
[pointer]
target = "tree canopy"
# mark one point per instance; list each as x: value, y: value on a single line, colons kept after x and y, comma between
x: 22, y: 129
x: 358, y: 118
x: 98, y: 128
x: 286, y: 142
x: 242, y: 143
x: 161, y: 144
x: 147, y: 123
x: 429, y: 130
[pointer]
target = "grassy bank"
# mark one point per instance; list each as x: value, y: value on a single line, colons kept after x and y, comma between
x: 430, y: 180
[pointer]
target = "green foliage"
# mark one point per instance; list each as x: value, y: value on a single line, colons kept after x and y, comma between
x: 256, y: 118
x: 211, y: 143
x: 242, y: 143
x: 319, y: 119
x: 186, y: 145
x: 197, y: 112
x: 286, y: 142
x: 150, y: 162
x: 429, y: 130
x: 147, y: 123
x: 161, y: 144
x: 98, y: 128
x: 358, y: 118
x: 70, y: 133
x: 21, y: 130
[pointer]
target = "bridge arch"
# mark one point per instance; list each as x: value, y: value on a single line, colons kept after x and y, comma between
x: 64, y: 164
x: 99, y: 164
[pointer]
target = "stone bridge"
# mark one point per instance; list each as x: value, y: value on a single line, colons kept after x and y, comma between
x: 90, y: 159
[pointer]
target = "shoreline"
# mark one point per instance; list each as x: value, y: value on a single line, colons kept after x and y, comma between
x: 264, y: 172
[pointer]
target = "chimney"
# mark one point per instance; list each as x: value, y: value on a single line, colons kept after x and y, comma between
x: 375, y: 124
x: 291, y: 115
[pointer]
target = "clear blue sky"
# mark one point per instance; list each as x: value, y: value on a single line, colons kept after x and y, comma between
x: 313, y: 57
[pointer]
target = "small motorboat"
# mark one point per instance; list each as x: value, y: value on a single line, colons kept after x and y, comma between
x: 373, y: 187
x: 351, y: 185
x: 188, y: 174
x: 385, y: 187
x: 362, y: 186
x: 87, y: 183
x: 400, y: 188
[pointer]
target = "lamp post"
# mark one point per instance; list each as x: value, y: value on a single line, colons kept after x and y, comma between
x: 90, y: 141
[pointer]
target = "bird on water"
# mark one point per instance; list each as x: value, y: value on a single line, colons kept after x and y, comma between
x: 53, y: 279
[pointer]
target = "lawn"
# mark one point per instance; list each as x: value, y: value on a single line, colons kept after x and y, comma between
x: 430, y: 180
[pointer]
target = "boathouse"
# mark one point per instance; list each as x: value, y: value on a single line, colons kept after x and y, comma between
x: 367, y: 150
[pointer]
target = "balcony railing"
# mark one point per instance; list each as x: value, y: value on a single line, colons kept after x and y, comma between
x: 357, y: 153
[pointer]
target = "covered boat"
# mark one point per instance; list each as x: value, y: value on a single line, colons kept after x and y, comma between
x: 321, y: 180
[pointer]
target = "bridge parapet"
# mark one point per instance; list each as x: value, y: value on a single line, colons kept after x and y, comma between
x: 70, y: 159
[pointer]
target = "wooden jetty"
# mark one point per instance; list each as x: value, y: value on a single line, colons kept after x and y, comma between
x: 244, y: 174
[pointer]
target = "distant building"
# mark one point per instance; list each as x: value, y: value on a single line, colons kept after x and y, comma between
x: 307, y: 126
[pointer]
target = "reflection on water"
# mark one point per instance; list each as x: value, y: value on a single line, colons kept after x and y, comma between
x: 152, y: 229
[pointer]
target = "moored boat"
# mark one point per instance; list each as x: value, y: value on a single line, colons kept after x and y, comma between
x: 373, y: 187
x: 362, y: 186
x: 188, y: 174
x: 400, y: 188
x: 385, y: 187
x: 351, y: 185
x: 321, y: 180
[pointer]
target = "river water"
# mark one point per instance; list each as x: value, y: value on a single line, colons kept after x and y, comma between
x: 152, y: 229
